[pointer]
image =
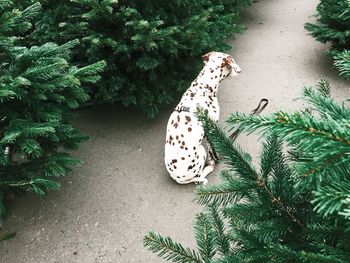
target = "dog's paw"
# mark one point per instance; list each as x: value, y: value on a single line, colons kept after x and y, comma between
x: 204, y: 181
x: 210, y: 163
x: 217, y: 159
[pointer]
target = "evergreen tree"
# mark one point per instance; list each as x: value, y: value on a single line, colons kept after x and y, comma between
x: 293, y: 208
x: 149, y: 46
x: 334, y: 27
x: 38, y: 87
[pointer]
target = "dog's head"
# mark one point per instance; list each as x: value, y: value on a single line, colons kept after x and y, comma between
x: 224, y: 62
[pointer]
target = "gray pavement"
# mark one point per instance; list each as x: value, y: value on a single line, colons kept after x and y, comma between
x: 104, y: 208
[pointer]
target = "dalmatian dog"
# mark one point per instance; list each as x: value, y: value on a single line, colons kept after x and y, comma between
x: 185, y: 158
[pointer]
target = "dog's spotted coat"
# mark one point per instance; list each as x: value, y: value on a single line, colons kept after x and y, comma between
x: 185, y: 157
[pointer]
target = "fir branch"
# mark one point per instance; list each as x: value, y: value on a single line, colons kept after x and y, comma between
x: 324, y: 232
x: 277, y: 202
x: 205, y: 236
x: 282, y: 253
x: 324, y: 88
x: 328, y: 137
x: 346, y: 211
x: 225, y: 148
x: 294, y: 127
x: 5, y: 4
x: 222, y: 240
x: 229, y: 259
x: 325, y: 164
x: 273, y: 230
x: 86, y: 73
x: 271, y: 157
x: 247, y: 240
x: 325, y: 105
x: 31, y: 11
x: 38, y: 185
x: 233, y: 155
x: 170, y: 250
x: 342, y: 62
x: 340, y: 252
x: 320, y: 258
x: 242, y: 213
x: 333, y: 198
x: 225, y: 193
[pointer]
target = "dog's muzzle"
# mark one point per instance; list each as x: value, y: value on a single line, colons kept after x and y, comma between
x: 237, y: 69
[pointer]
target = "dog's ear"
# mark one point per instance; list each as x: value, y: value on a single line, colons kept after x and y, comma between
x: 226, y: 62
x: 206, y: 57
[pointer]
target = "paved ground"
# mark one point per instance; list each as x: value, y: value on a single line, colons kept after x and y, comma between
x: 105, y: 208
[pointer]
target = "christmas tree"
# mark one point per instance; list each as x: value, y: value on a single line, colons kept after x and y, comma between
x: 38, y: 89
x: 149, y: 46
x: 333, y: 27
x: 293, y: 208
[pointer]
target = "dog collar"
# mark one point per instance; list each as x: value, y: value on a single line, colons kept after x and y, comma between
x: 182, y: 108
x: 206, y: 93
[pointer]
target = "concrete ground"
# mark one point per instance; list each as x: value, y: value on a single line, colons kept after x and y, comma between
x: 104, y: 209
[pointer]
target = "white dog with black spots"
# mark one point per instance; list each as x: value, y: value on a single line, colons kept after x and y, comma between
x: 185, y: 158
